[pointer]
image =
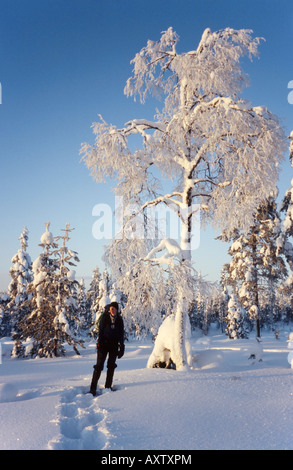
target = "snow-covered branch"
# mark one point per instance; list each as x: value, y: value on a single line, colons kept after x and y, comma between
x: 142, y: 124
x: 171, y: 250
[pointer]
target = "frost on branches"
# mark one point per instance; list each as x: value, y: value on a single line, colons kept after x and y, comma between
x: 216, y: 147
x: 217, y: 150
x: 143, y: 286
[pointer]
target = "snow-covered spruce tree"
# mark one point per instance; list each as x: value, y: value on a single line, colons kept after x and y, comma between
x: 237, y: 326
x: 103, y: 299
x: 256, y: 268
x: 222, y: 153
x: 36, y: 331
x: 286, y: 227
x: 47, y: 327
x: 222, y: 302
x: 203, y: 308
x: 21, y: 276
x: 85, y: 316
x: 92, y: 294
x: 284, y: 244
x: 67, y: 321
x: 5, y: 326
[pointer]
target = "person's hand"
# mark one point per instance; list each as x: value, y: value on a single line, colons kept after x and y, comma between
x: 121, y: 350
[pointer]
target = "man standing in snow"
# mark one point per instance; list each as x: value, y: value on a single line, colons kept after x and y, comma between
x: 110, y: 342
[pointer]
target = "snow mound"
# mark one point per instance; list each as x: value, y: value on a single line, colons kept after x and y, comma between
x: 206, y: 408
x: 208, y: 359
x: 8, y: 392
x: 255, y: 351
x: 164, y: 352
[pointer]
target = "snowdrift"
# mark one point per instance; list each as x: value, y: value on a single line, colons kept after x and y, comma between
x: 227, y: 401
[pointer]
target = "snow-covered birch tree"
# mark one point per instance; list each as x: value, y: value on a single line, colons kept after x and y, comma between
x: 221, y: 153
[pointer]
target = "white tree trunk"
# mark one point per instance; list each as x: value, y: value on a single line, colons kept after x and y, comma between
x: 182, y: 303
x: 180, y: 358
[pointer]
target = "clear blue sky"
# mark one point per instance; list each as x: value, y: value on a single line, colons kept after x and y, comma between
x: 63, y: 62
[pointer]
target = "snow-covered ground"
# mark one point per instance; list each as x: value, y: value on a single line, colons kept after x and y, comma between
x: 226, y: 402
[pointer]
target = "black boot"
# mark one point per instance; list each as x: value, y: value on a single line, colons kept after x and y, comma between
x: 94, y: 383
x: 109, y: 378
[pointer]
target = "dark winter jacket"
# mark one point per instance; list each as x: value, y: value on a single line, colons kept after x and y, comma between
x: 111, y: 331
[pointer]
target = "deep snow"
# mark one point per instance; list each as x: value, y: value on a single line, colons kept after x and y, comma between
x: 226, y: 402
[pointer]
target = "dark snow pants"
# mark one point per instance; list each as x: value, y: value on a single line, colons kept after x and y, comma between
x: 110, y: 349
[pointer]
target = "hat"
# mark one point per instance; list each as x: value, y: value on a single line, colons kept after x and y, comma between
x: 114, y: 304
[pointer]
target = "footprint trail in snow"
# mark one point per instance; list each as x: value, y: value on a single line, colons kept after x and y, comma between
x: 82, y: 423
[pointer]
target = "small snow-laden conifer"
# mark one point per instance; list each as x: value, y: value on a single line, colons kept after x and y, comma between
x: 223, y: 299
x: 236, y: 320
x: 68, y: 323
x: 284, y: 240
x: 103, y: 299
x: 52, y: 305
x: 218, y: 150
x: 257, y: 269
x: 92, y: 294
x: 205, y: 294
x: 21, y: 276
x: 83, y: 309
x: 37, y: 331
x: 5, y: 326
x: 286, y: 226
